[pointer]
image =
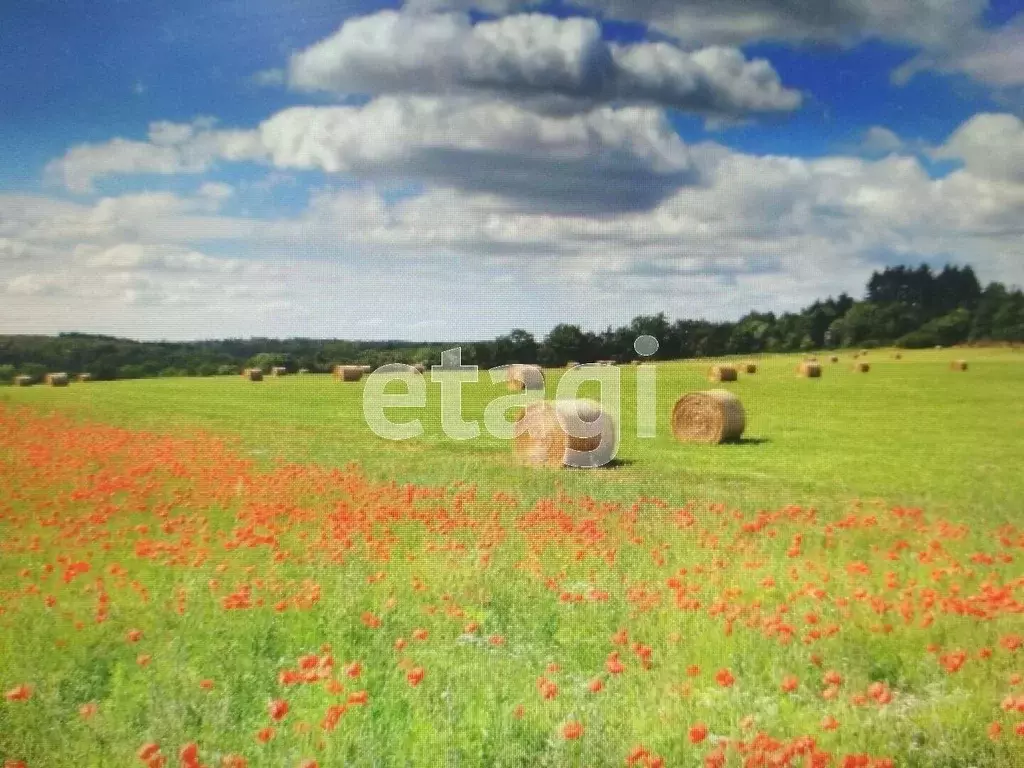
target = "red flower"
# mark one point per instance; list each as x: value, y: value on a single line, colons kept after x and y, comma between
x: 724, y: 678
x: 420, y: 634
x: 572, y: 730
x: 829, y: 723
x: 134, y: 635
x: 698, y: 733
x: 21, y: 692
x: 265, y: 734
x: 415, y: 676
x: 278, y: 708
x: 789, y: 683
x: 596, y: 685
x: 148, y: 750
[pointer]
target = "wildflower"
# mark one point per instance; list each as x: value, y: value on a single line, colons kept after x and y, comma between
x: 724, y: 678
x: 415, y: 676
x: 277, y: 708
x: 698, y: 733
x: 572, y: 730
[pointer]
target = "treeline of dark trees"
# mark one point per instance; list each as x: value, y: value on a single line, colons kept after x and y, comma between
x: 903, y: 306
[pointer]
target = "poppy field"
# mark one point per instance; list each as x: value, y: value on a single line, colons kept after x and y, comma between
x: 170, y: 596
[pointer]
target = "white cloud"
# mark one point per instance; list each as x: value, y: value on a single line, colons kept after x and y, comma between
x: 532, y: 58
x: 991, y: 56
x: 880, y: 140
x: 731, y: 22
x: 990, y: 145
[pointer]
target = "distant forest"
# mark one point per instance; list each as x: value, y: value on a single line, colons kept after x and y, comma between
x: 903, y: 306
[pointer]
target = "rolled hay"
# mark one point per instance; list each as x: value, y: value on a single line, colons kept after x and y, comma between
x: 809, y: 370
x: 528, y: 377
x: 254, y: 374
x: 57, y: 379
x: 958, y: 365
x: 712, y: 417
x: 84, y: 377
x: 898, y: 356
x: 366, y: 369
x: 347, y: 373
x: 862, y: 367
x: 565, y: 433
x: 278, y: 370
x: 23, y: 381
x: 722, y: 373
x: 303, y: 371
x: 571, y: 364
x: 750, y: 367
x: 834, y: 359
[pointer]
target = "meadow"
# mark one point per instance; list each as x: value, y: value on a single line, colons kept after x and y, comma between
x: 223, y: 572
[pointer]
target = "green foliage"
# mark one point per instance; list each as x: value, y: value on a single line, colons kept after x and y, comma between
x: 7, y: 373
x: 913, y: 307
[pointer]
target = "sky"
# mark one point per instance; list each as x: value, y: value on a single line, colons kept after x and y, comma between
x: 452, y: 169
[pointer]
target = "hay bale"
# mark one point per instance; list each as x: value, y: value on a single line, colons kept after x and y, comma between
x: 862, y: 367
x: 57, y: 379
x: 303, y: 371
x: 565, y: 433
x: 23, y: 381
x: 278, y: 370
x: 571, y: 364
x: 750, y: 367
x: 722, y: 373
x: 84, y: 377
x: 898, y: 356
x: 834, y: 359
x: 715, y: 416
x: 809, y: 370
x: 420, y: 368
x: 254, y: 374
x: 366, y: 369
x: 528, y: 377
x: 958, y: 365
x: 347, y: 373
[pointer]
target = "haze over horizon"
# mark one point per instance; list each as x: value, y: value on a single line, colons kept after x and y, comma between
x: 454, y: 169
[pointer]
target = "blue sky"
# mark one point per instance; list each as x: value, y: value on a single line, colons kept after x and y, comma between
x: 296, y: 208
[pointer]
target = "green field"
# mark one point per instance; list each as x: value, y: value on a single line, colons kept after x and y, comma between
x: 910, y: 432
x: 161, y: 585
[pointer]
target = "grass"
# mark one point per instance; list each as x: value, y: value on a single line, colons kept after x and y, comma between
x: 910, y: 431
x: 238, y: 568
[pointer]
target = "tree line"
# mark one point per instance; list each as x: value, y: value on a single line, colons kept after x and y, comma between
x: 903, y: 306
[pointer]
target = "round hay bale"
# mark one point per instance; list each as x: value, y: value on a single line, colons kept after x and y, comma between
x: 23, y: 381
x: 420, y: 368
x: 722, y: 373
x: 278, y: 370
x: 715, y: 416
x: 57, y: 379
x: 84, y: 377
x: 565, y: 433
x: 303, y: 371
x: 254, y: 374
x: 366, y: 369
x: 898, y: 356
x: 834, y: 359
x: 347, y: 373
x: 571, y: 364
x: 750, y: 367
x: 528, y: 377
x: 958, y: 365
x: 809, y: 370
x: 862, y: 367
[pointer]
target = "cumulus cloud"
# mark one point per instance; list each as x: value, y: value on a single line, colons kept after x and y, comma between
x: 991, y: 56
x: 880, y: 140
x: 172, y: 148
x: 602, y: 160
x: 991, y: 145
x: 926, y: 23
x: 536, y: 59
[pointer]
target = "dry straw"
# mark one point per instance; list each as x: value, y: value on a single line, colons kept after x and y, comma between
x: 862, y: 367
x: 958, y: 365
x: 366, y: 369
x: 348, y: 373
x: 254, y: 374
x: 528, y: 377
x: 722, y: 373
x: 809, y: 370
x: 23, y: 381
x: 57, y: 379
x: 750, y: 367
x: 715, y: 416
x: 303, y: 371
x: 565, y: 433
x: 278, y: 370
x: 834, y: 359
x: 83, y: 377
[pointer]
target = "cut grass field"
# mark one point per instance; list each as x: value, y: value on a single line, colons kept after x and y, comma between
x: 845, y: 585
x: 910, y: 432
